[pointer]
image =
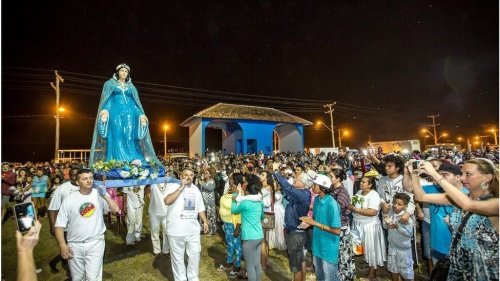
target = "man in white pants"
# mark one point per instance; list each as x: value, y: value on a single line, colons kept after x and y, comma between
x: 60, y: 194
x: 185, y: 204
x: 82, y: 216
x: 134, y: 197
x: 158, y: 218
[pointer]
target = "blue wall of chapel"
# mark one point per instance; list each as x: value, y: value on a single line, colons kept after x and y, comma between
x: 253, y: 132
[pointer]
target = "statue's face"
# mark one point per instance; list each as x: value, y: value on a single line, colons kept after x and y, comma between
x: 123, y: 73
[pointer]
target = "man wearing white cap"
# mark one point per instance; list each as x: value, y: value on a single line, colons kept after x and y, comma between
x: 326, y: 231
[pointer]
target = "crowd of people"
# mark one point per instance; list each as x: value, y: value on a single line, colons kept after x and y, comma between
x: 329, y: 206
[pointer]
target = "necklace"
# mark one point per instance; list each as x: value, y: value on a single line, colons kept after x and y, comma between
x: 121, y: 84
x: 162, y: 187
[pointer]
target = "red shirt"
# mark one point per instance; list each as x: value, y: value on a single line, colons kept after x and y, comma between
x: 8, y: 180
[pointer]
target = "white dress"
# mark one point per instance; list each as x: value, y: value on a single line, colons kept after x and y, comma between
x: 276, y: 235
x: 369, y: 230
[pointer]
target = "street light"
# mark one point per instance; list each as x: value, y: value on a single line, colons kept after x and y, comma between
x: 165, y: 128
x: 425, y: 131
x: 494, y: 135
x: 340, y: 135
x: 329, y: 129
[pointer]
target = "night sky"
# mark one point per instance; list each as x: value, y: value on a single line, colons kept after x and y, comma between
x: 387, y: 64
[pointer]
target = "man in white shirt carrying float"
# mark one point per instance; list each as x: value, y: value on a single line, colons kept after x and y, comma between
x: 158, y: 218
x: 185, y: 204
x: 81, y: 214
x: 134, y: 198
x: 60, y: 194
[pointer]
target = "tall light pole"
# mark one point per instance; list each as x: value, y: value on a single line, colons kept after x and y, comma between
x: 434, y: 136
x: 165, y: 128
x: 56, y: 88
x: 330, y: 111
x: 434, y: 125
x: 495, y: 135
x: 328, y: 128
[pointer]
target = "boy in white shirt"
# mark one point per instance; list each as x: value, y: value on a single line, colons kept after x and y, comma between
x: 400, y: 259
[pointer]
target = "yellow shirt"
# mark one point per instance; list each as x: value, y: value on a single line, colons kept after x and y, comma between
x: 225, y: 210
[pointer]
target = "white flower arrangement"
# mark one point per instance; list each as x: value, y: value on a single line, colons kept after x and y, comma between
x: 136, y: 162
x: 125, y: 174
x: 135, y: 169
x: 144, y: 174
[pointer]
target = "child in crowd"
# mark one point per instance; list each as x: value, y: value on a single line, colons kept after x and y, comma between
x: 399, y: 260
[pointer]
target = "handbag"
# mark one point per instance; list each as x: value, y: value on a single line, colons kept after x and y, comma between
x: 442, y: 267
x: 269, y: 222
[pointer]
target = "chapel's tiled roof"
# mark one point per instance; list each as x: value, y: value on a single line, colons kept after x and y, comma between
x: 257, y: 113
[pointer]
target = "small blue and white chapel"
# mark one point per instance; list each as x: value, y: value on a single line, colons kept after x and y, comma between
x: 247, y: 129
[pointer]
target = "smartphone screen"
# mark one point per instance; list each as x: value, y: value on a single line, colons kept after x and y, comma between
x: 25, y: 216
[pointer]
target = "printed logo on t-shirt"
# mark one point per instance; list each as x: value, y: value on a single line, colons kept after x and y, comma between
x: 87, y: 209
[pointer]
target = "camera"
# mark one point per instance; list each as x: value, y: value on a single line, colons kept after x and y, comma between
x: 416, y: 164
x: 25, y: 216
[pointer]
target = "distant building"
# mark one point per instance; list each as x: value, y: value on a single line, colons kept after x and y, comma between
x: 247, y: 129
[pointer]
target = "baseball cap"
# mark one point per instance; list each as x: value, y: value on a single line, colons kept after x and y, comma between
x: 312, y: 174
x: 323, y: 181
x: 450, y: 168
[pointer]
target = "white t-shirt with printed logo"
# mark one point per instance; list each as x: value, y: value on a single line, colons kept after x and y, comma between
x: 182, y: 215
x: 82, y: 215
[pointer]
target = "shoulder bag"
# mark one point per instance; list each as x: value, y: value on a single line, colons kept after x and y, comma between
x: 268, y: 222
x: 442, y: 267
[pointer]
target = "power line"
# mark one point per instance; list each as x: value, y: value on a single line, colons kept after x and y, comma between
x: 291, y: 104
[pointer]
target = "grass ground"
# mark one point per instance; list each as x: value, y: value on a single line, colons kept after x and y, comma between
x: 137, y: 262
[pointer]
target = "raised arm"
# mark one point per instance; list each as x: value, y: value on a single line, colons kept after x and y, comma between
x: 420, y: 194
x: 26, y: 270
x: 172, y: 197
x: 487, y: 208
x: 287, y: 187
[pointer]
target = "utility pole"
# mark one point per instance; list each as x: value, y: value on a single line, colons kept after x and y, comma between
x: 56, y: 88
x: 493, y: 131
x: 330, y: 111
x: 434, y: 125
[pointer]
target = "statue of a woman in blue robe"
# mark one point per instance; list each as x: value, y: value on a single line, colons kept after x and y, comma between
x: 121, y: 130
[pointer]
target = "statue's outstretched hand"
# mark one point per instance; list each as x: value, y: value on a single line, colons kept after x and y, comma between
x: 144, y: 120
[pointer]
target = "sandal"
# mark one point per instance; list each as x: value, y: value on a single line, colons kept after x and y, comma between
x: 223, y: 268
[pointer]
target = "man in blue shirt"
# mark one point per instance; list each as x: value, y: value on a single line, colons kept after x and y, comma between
x: 299, y: 198
x: 440, y: 232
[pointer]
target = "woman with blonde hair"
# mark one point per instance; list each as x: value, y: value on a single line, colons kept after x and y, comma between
x: 474, y: 252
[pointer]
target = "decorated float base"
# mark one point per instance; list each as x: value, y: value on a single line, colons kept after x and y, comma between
x: 114, y: 174
x: 116, y: 183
